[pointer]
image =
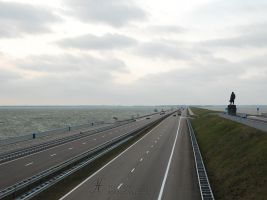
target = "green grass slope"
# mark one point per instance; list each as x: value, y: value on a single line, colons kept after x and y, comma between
x: 235, y: 156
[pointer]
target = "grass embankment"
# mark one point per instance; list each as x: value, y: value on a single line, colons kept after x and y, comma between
x: 235, y: 156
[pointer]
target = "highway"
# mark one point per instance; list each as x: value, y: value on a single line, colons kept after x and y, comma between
x: 19, y: 169
x: 158, y: 166
x: 258, y: 118
x: 260, y: 125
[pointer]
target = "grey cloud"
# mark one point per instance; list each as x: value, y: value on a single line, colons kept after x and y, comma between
x: 208, y: 83
x: 163, y: 49
x: 62, y: 79
x: 166, y: 29
x: 105, y: 42
x: 248, y: 35
x: 116, y: 13
x: 168, y: 49
x: 236, y: 7
x: 68, y: 64
x: 212, y: 69
x: 221, y: 11
x: 58, y: 89
x: 17, y: 19
x: 256, y: 39
x: 6, y: 75
x: 258, y: 62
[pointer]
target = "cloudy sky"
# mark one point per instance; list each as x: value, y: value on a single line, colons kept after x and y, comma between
x: 132, y: 52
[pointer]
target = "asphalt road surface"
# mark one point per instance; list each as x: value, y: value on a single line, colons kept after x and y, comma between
x: 260, y: 125
x: 159, y: 166
x: 19, y: 169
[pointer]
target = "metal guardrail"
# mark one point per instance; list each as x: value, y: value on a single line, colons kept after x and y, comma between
x: 40, y: 188
x: 49, y: 177
x: 203, y: 180
x: 29, y: 136
x: 40, y: 147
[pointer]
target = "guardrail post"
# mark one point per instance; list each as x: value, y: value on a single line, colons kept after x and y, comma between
x: 33, y: 136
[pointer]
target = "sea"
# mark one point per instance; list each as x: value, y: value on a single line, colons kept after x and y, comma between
x: 248, y: 109
x: 22, y: 120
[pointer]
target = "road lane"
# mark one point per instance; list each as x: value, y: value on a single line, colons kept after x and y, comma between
x: 138, y: 173
x: 260, y: 125
x: 15, y: 171
x: 182, y: 185
x: 104, y: 183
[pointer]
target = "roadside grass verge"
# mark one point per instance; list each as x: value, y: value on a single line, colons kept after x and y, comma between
x: 235, y: 156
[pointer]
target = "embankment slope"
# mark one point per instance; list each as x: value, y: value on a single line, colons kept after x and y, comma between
x: 235, y: 156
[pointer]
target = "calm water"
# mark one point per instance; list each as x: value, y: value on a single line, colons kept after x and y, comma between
x: 15, y: 121
x: 249, y: 109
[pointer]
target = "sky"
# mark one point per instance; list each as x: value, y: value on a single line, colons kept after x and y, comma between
x: 133, y: 52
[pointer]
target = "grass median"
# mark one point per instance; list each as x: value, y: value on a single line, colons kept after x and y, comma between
x: 235, y: 156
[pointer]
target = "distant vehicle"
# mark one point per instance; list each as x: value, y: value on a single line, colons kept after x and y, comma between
x: 174, y: 115
x: 179, y: 114
x: 148, y: 118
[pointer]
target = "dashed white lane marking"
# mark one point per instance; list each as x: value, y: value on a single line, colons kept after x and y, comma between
x: 84, y: 142
x: 152, y: 146
x: 156, y: 141
x: 132, y: 170
x: 103, y: 136
x: 147, y: 152
x: 70, y: 148
x: 94, y: 138
x: 28, y: 164
x: 141, y: 159
x: 53, y: 155
x: 119, y: 186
